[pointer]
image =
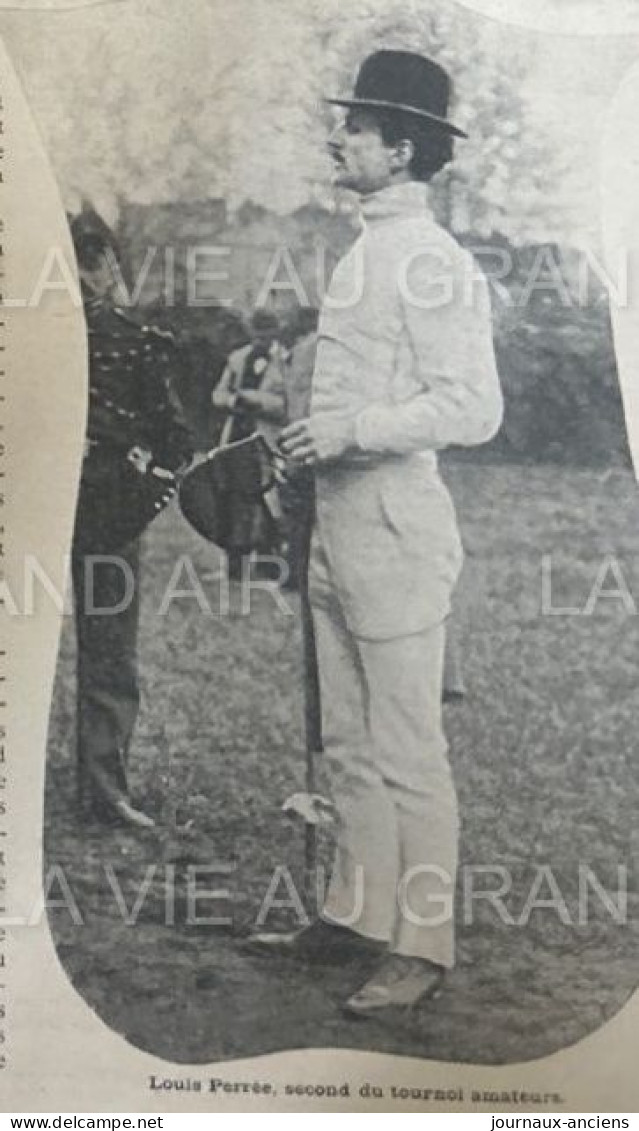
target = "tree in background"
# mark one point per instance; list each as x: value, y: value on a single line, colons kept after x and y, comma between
x: 504, y: 178
x: 224, y: 101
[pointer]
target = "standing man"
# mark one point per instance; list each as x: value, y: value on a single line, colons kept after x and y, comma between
x: 136, y: 439
x: 405, y: 366
x: 251, y: 389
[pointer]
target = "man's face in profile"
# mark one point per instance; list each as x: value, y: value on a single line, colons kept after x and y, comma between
x: 363, y: 163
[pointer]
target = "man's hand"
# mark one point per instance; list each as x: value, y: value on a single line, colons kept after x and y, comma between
x: 247, y: 398
x: 318, y: 439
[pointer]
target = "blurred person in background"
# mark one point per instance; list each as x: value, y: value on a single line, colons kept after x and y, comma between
x: 250, y: 393
x: 298, y: 493
x: 248, y: 398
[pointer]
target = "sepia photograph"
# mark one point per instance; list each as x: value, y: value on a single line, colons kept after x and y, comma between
x: 341, y: 750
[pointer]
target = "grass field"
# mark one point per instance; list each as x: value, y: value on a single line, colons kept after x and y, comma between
x: 544, y: 755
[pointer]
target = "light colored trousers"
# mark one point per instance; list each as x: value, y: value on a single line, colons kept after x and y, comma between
x: 396, y: 856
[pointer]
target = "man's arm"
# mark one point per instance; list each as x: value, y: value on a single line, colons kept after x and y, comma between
x: 172, y: 440
x: 224, y: 393
x: 461, y: 401
x: 269, y: 401
x: 177, y: 445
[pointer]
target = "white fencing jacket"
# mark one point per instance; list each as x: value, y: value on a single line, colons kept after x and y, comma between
x: 405, y: 350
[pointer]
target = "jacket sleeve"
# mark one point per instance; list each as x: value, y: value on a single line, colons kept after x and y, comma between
x: 224, y: 392
x: 172, y: 439
x: 459, y: 399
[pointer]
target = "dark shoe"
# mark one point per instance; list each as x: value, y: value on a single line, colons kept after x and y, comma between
x: 319, y: 942
x: 401, y: 982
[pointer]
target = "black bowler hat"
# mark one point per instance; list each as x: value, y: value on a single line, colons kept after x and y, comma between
x: 405, y: 81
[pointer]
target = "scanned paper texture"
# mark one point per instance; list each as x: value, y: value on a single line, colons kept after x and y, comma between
x: 319, y: 579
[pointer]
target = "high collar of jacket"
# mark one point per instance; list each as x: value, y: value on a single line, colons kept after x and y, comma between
x: 411, y: 198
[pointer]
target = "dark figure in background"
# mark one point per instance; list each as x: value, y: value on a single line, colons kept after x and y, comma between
x: 298, y: 494
x: 250, y: 392
x: 134, y: 420
x: 250, y: 396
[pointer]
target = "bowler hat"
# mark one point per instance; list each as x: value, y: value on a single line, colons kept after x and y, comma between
x: 404, y: 81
